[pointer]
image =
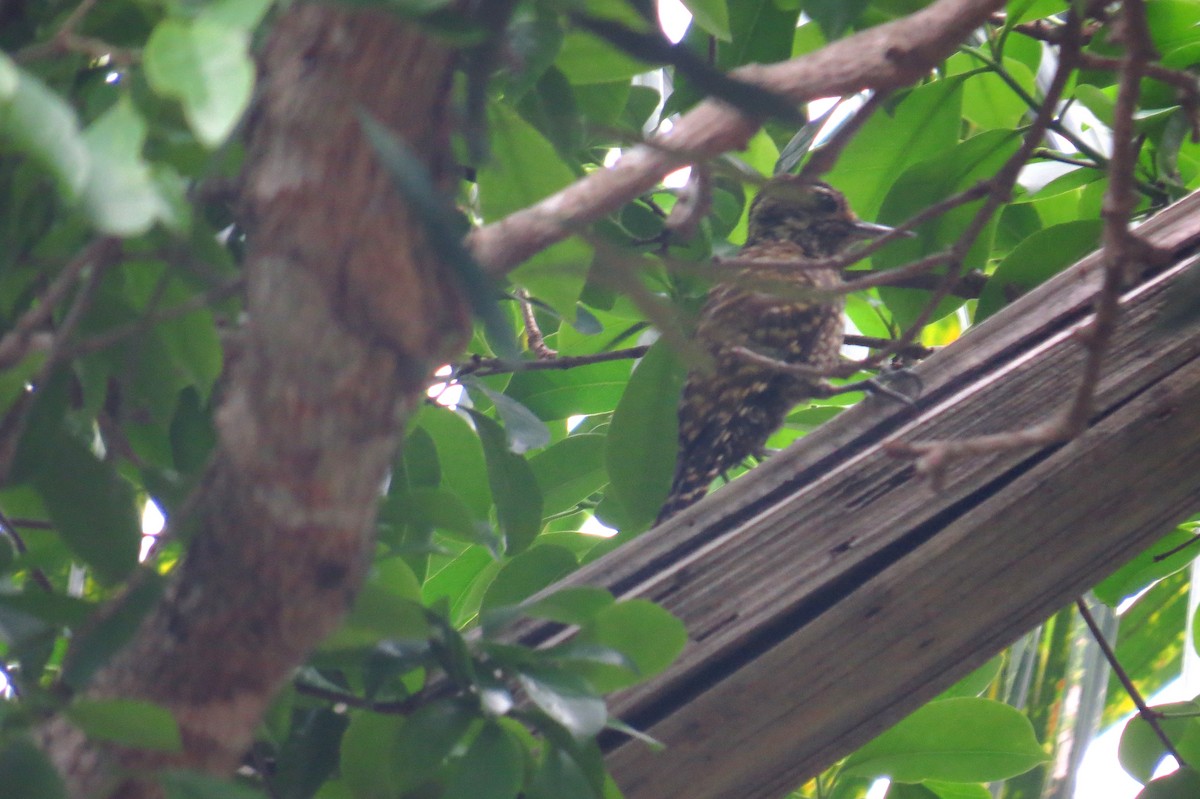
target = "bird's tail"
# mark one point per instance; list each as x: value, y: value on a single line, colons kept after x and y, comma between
x: 689, y: 487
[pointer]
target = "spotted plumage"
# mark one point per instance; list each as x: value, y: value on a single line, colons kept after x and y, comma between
x: 731, y: 406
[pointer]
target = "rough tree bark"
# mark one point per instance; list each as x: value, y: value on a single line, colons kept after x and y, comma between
x: 347, y: 316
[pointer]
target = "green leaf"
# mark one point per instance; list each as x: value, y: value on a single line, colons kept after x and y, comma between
x: 645, y: 633
x: 36, y: 121
x: 368, y: 762
x: 577, y: 605
x: 1140, y: 749
x: 570, y: 472
x: 926, y: 183
x: 525, y: 431
x: 206, y: 65
x: 1148, y: 567
x: 97, y: 642
x: 514, y: 488
x: 1151, y: 640
x: 567, y: 698
x: 924, y: 125
x: 381, y: 612
x: 437, y: 508
x: 528, y: 573
x: 641, y: 444
x: 990, y: 103
x: 28, y: 772
x: 121, y: 195
x: 93, y: 508
x: 977, y: 681
x: 834, y: 16
x: 460, y: 455
x: 493, y: 767
x: 180, y: 784
x: 1181, y: 784
x: 712, y: 16
x: 1042, y: 255
x: 959, y: 740
x: 585, y: 59
x: 427, y: 738
x: 129, y: 722
x: 557, y: 394
x: 559, y: 776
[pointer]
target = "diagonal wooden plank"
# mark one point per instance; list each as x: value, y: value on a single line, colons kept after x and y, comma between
x: 831, y: 591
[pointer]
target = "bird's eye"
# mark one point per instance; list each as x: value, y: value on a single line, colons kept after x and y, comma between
x: 825, y: 203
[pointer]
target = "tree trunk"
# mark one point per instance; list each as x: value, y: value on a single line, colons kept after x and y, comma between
x: 347, y: 316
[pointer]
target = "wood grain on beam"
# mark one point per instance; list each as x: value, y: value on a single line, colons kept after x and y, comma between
x: 832, y: 591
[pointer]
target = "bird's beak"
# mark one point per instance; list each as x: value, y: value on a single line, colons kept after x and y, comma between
x: 870, y: 230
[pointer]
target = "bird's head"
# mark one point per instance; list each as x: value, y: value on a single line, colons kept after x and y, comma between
x: 811, y: 214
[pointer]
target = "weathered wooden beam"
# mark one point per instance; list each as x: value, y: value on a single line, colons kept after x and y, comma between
x: 831, y: 591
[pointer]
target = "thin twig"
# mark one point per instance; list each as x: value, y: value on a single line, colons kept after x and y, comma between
x: 13, y: 424
x: 108, y: 338
x: 482, y: 367
x: 1147, y: 714
x: 15, y: 344
x: 533, y: 333
x: 9, y: 528
x: 399, y: 707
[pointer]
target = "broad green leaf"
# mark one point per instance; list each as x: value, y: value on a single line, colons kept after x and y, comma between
x: 928, y: 182
x: 36, y: 121
x: 1140, y: 750
x: 1025, y: 10
x: 121, y: 195
x: 368, y: 762
x: 381, y: 611
x: 28, y: 772
x: 834, y: 16
x: 427, y: 737
x: 96, y: 643
x: 1042, y: 255
x: 93, y: 508
x: 1181, y: 784
x: 1149, y: 566
x: 238, y: 14
x: 493, y: 767
x: 712, y: 16
x: 460, y: 455
x: 450, y: 580
x: 128, y: 722
x: 178, y: 784
x: 990, y: 103
x: 567, y: 698
x: 641, y: 441
x: 557, y: 394
x: 577, y: 605
x: 1151, y: 641
x: 977, y: 681
x: 528, y: 573
x: 206, y: 65
x: 570, y: 472
x: 524, y: 167
x: 925, y: 124
x: 514, y: 488
x: 585, y: 59
x: 437, y: 508
x: 645, y: 633
x: 559, y: 776
x: 525, y: 430
x: 959, y: 740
